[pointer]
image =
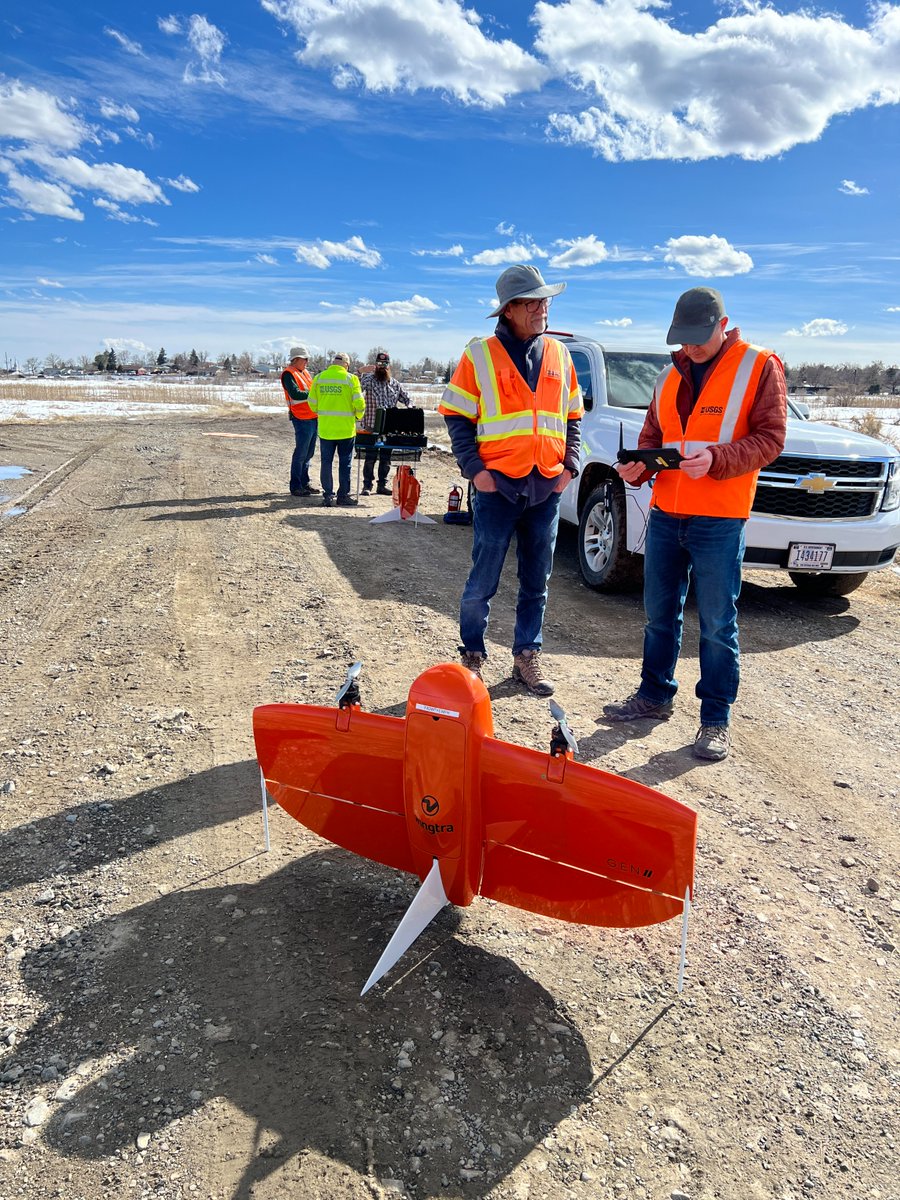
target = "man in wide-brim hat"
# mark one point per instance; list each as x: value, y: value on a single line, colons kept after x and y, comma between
x: 513, y: 412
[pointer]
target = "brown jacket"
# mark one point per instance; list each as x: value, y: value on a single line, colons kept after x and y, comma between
x: 768, y: 419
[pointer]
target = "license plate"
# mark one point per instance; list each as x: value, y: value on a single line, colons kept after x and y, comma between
x: 810, y: 556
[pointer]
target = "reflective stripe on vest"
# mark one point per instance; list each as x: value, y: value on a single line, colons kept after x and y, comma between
x: 719, y: 416
x: 303, y: 380
x: 503, y: 424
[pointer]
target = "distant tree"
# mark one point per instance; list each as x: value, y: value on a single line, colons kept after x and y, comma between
x: 448, y: 372
x: 32, y: 364
x: 52, y: 362
x: 275, y: 359
x: 874, y: 389
x: 100, y: 360
x: 112, y: 363
x: 161, y: 357
x: 194, y: 361
x: 890, y: 378
x: 244, y: 363
x: 84, y: 362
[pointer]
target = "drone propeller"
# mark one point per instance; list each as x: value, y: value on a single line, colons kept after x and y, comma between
x: 348, y: 692
x: 566, y: 737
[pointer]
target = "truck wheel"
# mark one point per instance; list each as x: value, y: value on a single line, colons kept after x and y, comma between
x: 606, y: 565
x: 826, y: 584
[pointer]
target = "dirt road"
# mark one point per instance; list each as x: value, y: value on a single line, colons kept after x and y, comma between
x: 181, y: 1014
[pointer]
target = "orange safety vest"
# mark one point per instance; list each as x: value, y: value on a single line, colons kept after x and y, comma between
x: 720, y: 415
x: 517, y: 428
x: 303, y: 379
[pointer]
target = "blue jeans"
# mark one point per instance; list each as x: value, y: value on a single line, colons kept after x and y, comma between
x: 304, y: 449
x: 710, y: 550
x: 344, y: 448
x: 496, y: 520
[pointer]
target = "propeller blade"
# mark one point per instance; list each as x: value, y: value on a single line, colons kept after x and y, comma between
x: 560, y: 718
x: 427, y: 903
x: 352, y: 672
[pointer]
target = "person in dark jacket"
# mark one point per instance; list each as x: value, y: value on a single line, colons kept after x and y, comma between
x: 723, y: 405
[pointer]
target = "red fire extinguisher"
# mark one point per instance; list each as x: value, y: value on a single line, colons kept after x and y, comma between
x: 454, y: 500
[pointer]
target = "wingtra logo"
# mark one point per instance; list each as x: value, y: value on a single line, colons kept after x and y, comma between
x: 430, y: 807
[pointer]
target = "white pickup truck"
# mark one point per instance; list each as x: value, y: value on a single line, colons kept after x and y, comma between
x: 827, y: 510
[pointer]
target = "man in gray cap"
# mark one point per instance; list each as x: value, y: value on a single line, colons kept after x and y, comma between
x: 296, y: 379
x: 513, y: 412
x: 723, y: 405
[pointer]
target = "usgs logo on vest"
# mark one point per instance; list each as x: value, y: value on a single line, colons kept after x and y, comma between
x: 712, y: 410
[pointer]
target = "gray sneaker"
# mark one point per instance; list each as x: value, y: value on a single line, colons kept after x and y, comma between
x: 473, y: 661
x: 712, y: 742
x: 527, y: 670
x: 636, y: 708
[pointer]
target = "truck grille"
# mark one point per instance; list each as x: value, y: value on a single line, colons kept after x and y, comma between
x: 855, y: 488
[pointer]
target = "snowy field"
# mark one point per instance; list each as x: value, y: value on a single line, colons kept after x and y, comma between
x: 142, y: 397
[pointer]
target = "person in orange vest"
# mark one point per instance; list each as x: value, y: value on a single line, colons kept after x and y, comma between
x: 296, y: 379
x: 513, y: 411
x: 723, y: 405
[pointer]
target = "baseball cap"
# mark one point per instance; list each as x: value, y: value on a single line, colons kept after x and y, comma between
x: 697, y: 312
x: 341, y: 357
x: 382, y: 357
x: 298, y: 352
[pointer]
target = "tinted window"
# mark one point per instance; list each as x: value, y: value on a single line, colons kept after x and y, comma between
x: 582, y: 365
x: 630, y: 377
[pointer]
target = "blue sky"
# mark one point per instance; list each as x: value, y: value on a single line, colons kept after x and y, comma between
x: 348, y: 173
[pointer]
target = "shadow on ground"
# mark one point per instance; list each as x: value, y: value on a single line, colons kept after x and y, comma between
x: 251, y: 993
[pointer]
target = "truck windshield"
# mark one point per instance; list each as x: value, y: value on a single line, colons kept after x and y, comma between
x: 630, y: 377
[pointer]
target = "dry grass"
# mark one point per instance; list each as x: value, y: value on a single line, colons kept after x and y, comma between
x: 111, y: 391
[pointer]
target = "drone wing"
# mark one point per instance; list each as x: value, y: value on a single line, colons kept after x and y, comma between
x: 340, y: 775
x: 592, y: 847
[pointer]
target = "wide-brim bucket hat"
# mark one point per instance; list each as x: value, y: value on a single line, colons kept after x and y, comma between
x: 523, y: 282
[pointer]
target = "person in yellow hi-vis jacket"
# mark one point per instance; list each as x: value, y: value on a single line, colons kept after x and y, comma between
x: 336, y: 398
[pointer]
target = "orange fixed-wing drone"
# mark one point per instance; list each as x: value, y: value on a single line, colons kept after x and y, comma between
x: 436, y: 794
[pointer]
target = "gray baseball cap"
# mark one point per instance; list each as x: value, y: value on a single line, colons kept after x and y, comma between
x: 523, y: 282
x: 298, y: 352
x: 697, y: 313
x: 341, y: 357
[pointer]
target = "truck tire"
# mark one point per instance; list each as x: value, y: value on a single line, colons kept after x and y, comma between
x: 825, y: 583
x: 606, y: 565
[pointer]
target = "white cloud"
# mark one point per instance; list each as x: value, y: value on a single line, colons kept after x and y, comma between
x: 125, y: 184
x: 753, y: 84
x: 820, y: 327
x: 183, y: 184
x: 49, y: 283
x: 580, y: 252
x: 894, y: 308
x: 515, y: 252
x: 112, y: 112
x: 415, y: 309
x: 453, y: 252
x: 620, y: 323
x: 267, y: 259
x: 170, y: 24
x: 115, y: 213
x: 207, y: 42
x: 29, y: 114
x: 127, y: 349
x: 409, y: 45
x: 708, y: 256
x: 504, y: 229
x: 125, y: 42
x: 38, y: 196
x: 323, y: 253
x: 849, y: 188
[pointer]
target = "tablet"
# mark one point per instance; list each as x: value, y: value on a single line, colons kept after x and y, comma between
x: 661, y: 459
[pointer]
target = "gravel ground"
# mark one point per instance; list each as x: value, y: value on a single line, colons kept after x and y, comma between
x: 180, y: 1012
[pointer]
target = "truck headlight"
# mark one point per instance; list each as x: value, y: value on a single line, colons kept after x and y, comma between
x: 892, y: 488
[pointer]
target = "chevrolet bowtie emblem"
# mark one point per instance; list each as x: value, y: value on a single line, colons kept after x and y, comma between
x: 815, y: 483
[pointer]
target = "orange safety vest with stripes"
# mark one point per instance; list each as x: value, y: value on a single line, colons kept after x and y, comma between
x: 517, y: 429
x: 303, y: 379
x: 720, y: 415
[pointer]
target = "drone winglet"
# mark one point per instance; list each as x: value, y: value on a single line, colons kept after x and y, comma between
x: 427, y: 903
